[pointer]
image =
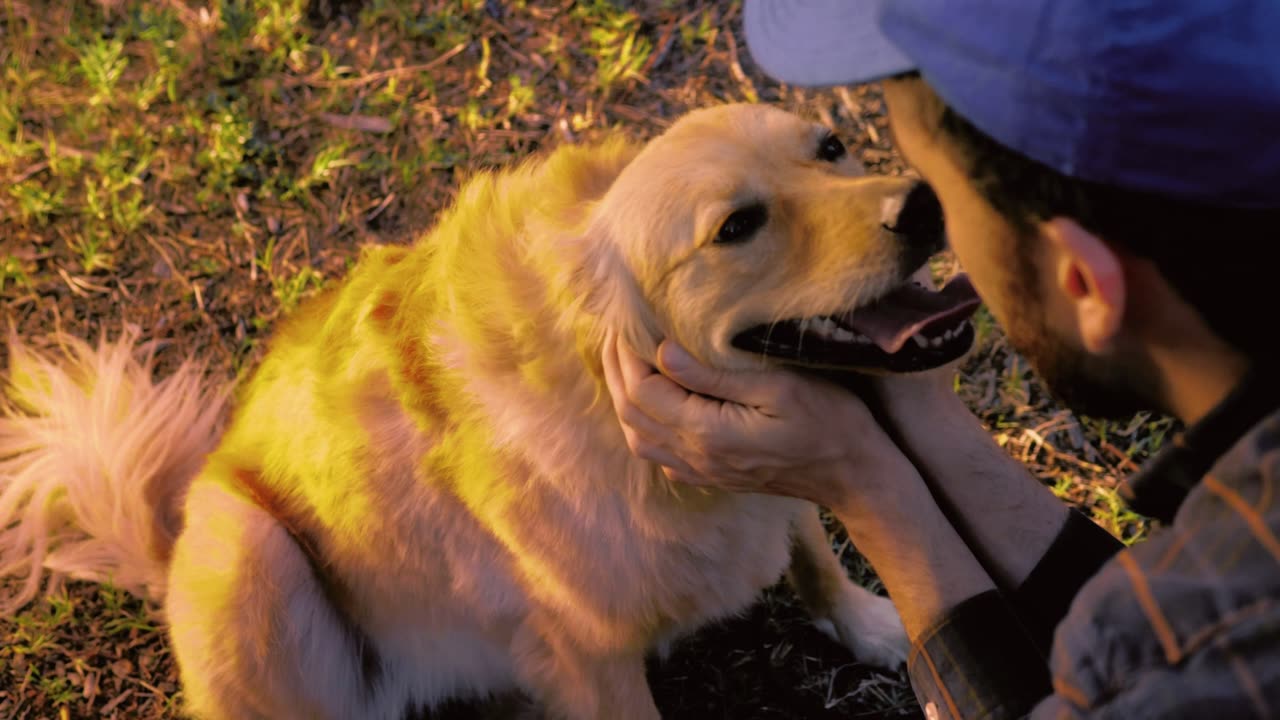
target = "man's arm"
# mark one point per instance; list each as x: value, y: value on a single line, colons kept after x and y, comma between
x: 782, y: 434
x: 1007, y: 515
x: 1036, y: 549
x: 922, y: 561
x: 970, y: 654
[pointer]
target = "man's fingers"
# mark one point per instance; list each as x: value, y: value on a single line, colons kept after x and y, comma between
x: 635, y: 419
x: 631, y: 416
x: 648, y: 439
x: 654, y: 453
x: 687, y: 477
x: 613, y: 373
x: 701, y: 481
x: 754, y: 389
x: 655, y: 394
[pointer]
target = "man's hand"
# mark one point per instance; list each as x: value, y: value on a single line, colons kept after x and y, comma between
x: 777, y: 432
x: 771, y: 431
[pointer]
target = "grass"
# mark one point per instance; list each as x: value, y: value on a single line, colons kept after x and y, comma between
x: 200, y: 168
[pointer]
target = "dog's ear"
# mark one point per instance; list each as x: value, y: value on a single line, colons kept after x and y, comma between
x: 610, y: 292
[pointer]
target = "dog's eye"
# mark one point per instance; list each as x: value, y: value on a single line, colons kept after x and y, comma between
x: 742, y: 224
x: 831, y: 149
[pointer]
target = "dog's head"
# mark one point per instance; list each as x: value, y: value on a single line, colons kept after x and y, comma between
x: 745, y: 232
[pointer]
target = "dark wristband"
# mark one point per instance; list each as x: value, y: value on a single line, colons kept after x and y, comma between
x: 1044, y: 597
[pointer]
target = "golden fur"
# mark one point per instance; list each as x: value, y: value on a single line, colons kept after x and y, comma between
x: 435, y: 429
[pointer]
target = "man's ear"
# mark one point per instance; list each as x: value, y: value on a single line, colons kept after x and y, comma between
x: 1090, y: 274
x: 610, y: 292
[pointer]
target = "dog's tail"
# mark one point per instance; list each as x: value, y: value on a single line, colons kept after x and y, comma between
x: 95, y: 459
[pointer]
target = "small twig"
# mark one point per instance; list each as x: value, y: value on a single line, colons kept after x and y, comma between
x: 850, y: 106
x: 124, y: 290
x: 736, y: 68
x: 38, y: 167
x: 665, y: 41
x: 155, y: 690
x: 188, y: 16
x: 195, y: 289
x: 381, y: 206
x: 116, y: 701
x: 384, y: 74
x: 72, y: 283
x: 365, y: 123
x: 1125, y: 461
x: 67, y: 150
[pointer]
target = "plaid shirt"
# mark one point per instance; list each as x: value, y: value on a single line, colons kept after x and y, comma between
x: 1185, y: 624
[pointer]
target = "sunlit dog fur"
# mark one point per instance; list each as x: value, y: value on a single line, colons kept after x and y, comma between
x: 438, y: 427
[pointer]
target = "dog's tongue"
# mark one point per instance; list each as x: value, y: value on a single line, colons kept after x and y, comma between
x: 893, y: 319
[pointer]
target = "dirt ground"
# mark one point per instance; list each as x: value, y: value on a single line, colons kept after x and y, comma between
x: 198, y: 168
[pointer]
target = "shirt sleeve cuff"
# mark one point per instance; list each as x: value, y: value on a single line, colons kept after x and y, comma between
x: 1044, y: 597
x: 977, y: 662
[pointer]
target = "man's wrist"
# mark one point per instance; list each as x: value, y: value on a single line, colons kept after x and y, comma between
x: 885, y: 484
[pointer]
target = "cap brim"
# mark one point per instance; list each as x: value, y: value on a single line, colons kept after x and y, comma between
x: 818, y: 43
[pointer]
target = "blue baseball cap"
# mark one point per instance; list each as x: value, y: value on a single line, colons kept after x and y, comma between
x: 1175, y: 97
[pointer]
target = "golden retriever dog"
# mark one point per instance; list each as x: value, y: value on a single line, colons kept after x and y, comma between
x: 422, y: 492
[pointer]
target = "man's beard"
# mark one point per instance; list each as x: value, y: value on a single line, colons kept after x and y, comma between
x: 1112, y: 388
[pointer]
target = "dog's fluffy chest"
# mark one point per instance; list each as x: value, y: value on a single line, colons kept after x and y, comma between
x: 593, y: 530
x: 629, y: 567
x: 630, y: 570
x: 663, y: 555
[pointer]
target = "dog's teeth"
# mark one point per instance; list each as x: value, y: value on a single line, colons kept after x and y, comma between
x: 843, y: 335
x: 948, y: 334
x: 825, y: 326
x: 921, y: 340
x: 936, y: 342
x: 804, y: 324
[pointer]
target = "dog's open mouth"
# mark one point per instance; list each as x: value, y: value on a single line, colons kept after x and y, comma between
x: 912, y: 328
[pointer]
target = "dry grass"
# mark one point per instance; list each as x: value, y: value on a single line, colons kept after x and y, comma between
x: 197, y: 169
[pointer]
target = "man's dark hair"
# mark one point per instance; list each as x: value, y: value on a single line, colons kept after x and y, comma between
x: 1222, y: 261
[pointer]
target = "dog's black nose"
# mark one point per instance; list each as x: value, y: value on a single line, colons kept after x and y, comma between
x: 920, y: 220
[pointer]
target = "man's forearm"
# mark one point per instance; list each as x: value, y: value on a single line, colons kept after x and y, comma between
x: 917, y: 554
x: 1003, y: 512
x: 1037, y: 550
x: 970, y: 653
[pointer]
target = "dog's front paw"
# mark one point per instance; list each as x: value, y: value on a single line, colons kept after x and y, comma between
x: 869, y: 626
